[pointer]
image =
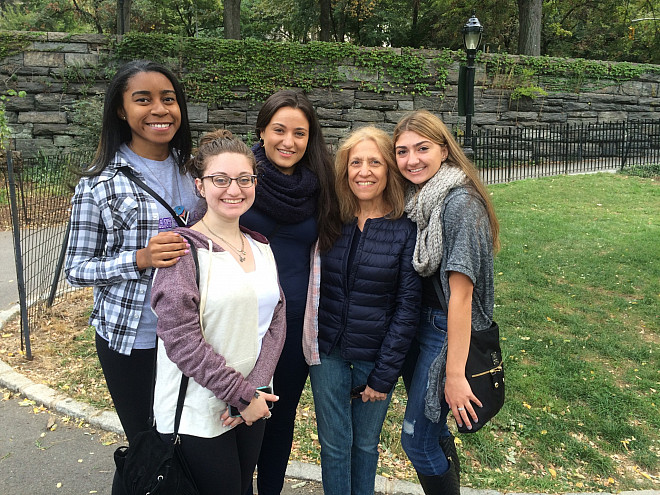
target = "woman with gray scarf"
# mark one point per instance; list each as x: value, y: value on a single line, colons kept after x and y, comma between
x: 457, y: 235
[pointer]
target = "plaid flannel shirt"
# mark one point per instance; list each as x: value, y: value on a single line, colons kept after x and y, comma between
x: 111, y: 218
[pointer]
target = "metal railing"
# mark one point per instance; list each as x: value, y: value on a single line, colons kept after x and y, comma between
x: 39, y: 191
x: 505, y: 155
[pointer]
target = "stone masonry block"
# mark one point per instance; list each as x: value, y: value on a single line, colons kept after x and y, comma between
x: 364, y: 115
x: 17, y: 104
x: 332, y: 99
x: 64, y: 47
x: 52, y: 129
x: 81, y: 59
x: 44, y: 59
x: 376, y: 104
x: 227, y: 117
x: 42, y: 117
x: 51, y: 101
x: 31, y: 147
x: 198, y: 112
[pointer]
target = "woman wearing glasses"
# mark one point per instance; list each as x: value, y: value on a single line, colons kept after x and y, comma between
x: 227, y: 334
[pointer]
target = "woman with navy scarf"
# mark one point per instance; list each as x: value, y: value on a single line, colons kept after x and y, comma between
x: 294, y: 207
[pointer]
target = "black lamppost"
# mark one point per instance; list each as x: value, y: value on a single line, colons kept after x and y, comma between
x: 471, y: 40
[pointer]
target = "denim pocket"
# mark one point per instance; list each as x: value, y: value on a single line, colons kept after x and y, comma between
x: 439, y: 322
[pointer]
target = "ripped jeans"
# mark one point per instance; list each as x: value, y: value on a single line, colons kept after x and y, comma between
x: 419, y: 436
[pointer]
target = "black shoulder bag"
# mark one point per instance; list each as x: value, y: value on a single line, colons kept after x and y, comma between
x: 484, y: 369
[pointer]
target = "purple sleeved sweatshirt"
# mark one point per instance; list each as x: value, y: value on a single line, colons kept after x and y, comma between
x: 175, y: 299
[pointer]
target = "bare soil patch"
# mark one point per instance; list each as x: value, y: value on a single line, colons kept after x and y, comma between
x: 63, y: 351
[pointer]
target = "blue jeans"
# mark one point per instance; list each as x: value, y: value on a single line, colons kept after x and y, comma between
x: 349, y: 430
x: 419, y: 436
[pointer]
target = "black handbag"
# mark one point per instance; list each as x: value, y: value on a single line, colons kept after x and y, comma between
x: 484, y: 369
x: 151, y: 465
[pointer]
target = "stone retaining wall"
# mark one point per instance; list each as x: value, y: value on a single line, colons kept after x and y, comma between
x: 43, y: 119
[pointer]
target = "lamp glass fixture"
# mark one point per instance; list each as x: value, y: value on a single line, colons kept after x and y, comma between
x: 472, y: 33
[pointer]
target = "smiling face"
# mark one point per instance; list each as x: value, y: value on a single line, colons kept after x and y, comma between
x: 417, y: 157
x: 229, y: 203
x: 285, y: 138
x: 152, y: 112
x: 367, y: 173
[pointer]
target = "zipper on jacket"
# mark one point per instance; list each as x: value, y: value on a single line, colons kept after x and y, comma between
x: 350, y: 279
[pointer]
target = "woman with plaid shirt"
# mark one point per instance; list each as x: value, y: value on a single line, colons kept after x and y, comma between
x: 120, y: 233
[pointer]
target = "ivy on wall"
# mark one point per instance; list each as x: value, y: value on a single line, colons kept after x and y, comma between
x: 215, y: 70
x: 560, y: 74
x: 12, y: 43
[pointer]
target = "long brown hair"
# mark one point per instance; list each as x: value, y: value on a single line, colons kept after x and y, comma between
x: 394, y: 193
x: 432, y: 128
x: 318, y: 159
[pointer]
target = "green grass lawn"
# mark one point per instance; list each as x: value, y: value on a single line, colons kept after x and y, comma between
x: 578, y: 304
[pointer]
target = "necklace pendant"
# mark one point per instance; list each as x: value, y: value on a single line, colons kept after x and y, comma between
x: 241, y: 258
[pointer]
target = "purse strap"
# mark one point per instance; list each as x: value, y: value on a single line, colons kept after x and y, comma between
x: 184, y: 378
x: 131, y: 176
x: 439, y: 292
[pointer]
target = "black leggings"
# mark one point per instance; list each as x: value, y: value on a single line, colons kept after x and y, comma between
x: 130, y: 380
x: 288, y: 383
x: 223, y: 464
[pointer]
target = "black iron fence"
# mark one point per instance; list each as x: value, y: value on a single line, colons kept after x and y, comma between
x: 505, y: 155
x: 38, y: 191
x: 36, y: 206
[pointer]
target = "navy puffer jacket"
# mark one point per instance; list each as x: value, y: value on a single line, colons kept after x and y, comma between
x: 371, y: 312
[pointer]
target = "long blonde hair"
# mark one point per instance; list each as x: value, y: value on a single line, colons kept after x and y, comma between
x: 432, y: 128
x: 394, y: 193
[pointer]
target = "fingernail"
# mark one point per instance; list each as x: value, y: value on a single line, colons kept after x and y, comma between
x: 186, y: 251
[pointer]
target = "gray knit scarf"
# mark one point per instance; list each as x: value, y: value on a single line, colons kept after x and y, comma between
x: 424, y: 207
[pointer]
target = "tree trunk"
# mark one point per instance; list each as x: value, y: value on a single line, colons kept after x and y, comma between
x: 123, y: 16
x: 529, y: 35
x: 414, y: 36
x: 231, y: 19
x: 325, y: 20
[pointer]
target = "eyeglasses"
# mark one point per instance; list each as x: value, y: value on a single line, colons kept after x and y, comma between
x: 224, y: 181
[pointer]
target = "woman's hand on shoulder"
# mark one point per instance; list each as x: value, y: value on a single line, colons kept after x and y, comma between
x: 163, y: 250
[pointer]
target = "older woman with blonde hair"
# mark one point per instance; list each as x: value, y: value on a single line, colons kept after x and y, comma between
x: 367, y: 314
